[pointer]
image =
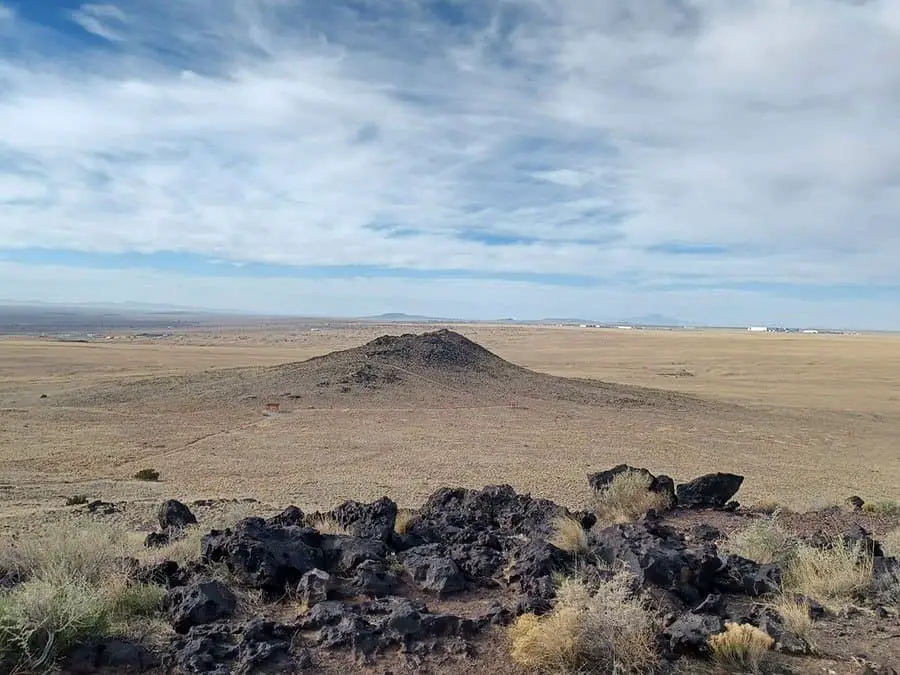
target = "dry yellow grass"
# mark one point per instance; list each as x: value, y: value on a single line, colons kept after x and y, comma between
x: 404, y: 516
x: 597, y: 627
x: 741, y: 648
x: 795, y: 614
x: 891, y: 543
x: 326, y: 524
x: 834, y: 576
x: 568, y: 535
x: 762, y: 541
x: 76, y: 588
x: 628, y: 497
x: 318, y: 457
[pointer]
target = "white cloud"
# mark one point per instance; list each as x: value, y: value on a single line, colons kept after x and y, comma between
x: 596, y: 131
x: 98, y: 20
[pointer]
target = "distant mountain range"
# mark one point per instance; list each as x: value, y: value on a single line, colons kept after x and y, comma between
x: 646, y: 320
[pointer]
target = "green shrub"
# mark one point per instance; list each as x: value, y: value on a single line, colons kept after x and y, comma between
x: 147, y: 474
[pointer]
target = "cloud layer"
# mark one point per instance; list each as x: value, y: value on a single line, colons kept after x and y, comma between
x: 661, y: 144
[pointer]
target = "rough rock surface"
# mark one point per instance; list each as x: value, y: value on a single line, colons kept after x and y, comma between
x: 173, y: 514
x: 198, y: 603
x: 268, y: 557
x: 713, y: 490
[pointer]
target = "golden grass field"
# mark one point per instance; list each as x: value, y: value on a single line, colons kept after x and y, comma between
x: 808, y: 419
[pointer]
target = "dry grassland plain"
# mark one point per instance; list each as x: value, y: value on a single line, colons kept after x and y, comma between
x: 808, y: 419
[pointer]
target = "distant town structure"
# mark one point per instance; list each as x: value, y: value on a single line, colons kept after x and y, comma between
x: 758, y: 329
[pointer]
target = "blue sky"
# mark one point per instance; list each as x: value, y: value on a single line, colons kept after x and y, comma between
x: 721, y: 162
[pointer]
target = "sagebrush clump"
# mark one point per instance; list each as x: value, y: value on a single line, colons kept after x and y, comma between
x: 147, y: 475
x: 75, y: 587
x: 594, y: 627
x: 741, y: 647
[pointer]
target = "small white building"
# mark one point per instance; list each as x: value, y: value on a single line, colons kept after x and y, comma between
x: 758, y: 329
x: 810, y: 331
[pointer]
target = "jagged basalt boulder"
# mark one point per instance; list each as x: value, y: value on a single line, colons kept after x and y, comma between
x: 167, y: 573
x: 197, y: 604
x: 264, y: 556
x: 666, y: 561
x: 368, y: 521
x: 291, y: 516
x: 314, y: 587
x: 433, y: 571
x: 175, y: 515
x: 374, y: 579
x: 690, y: 633
x: 534, y: 565
x: 344, y: 554
x: 713, y: 490
x: 489, y: 517
x: 739, y: 575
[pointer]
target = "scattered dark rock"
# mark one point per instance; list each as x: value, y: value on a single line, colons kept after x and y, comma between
x: 163, y: 538
x: 369, y: 521
x: 713, y: 604
x: 199, y: 603
x: 739, y: 575
x: 432, y: 571
x: 167, y: 573
x: 264, y: 556
x: 292, y: 515
x: 705, y: 532
x: 175, y: 515
x: 533, y: 605
x: 689, y: 633
x: 101, y: 507
x: 855, y: 503
x: 534, y: 566
x: 314, y: 587
x: 344, y: 554
x: 712, y: 490
x: 254, y: 647
x: 114, y: 653
x: 43, y: 395
x: 374, y: 579
x: 665, y: 561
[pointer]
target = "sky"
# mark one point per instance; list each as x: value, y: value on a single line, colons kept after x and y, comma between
x: 731, y: 163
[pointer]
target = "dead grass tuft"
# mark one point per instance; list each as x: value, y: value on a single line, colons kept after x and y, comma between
x: 404, y: 517
x: 890, y: 542
x: 833, y: 576
x: 884, y: 507
x: 594, y: 627
x: 741, y: 647
x: 763, y: 541
x: 795, y: 615
x: 568, y: 535
x: 326, y: 524
x: 627, y: 498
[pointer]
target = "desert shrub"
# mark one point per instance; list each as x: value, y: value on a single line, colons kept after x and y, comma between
x: 404, y: 517
x: 890, y: 542
x: 628, y: 497
x: 594, y: 627
x: 568, y: 535
x: 884, y: 507
x: 75, y: 588
x: 768, y: 507
x: 762, y: 541
x: 77, y: 500
x: 833, y: 575
x: 741, y: 647
x: 147, y: 475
